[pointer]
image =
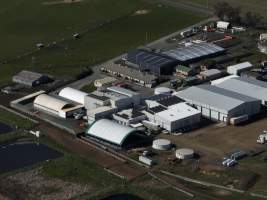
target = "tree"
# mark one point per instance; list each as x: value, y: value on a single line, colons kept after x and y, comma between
x: 220, y: 9
x: 224, y: 11
x: 252, y: 19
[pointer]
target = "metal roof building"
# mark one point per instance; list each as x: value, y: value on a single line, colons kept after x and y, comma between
x: 174, y: 117
x: 220, y: 104
x: 144, y: 79
x: 54, y: 106
x: 156, y: 63
x: 73, y: 95
x: 194, y: 52
x: 110, y: 131
x: 30, y: 79
x: 238, y: 68
x: 246, y: 86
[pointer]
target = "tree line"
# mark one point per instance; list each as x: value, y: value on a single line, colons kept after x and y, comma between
x: 224, y: 11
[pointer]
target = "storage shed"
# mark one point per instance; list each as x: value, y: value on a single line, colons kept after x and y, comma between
x: 223, y: 25
x: 220, y: 104
x: 54, y: 106
x: 30, y: 79
x: 73, y: 95
x: 110, y: 131
x: 238, y: 68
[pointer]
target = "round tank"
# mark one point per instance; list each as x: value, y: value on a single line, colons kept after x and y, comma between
x: 162, y: 90
x: 184, y: 154
x: 161, y: 144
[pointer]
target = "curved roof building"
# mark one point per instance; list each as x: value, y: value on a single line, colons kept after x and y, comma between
x: 50, y: 104
x: 110, y: 131
x: 73, y: 95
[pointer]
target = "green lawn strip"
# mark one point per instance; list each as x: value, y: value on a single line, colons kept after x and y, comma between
x: 14, y: 120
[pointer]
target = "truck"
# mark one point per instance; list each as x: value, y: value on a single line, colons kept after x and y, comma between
x: 262, y: 139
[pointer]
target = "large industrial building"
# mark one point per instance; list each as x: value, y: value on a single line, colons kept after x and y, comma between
x: 30, y: 79
x: 174, y: 117
x: 54, y: 106
x: 155, y: 63
x: 112, y: 132
x: 73, y: 95
x: 195, y: 52
x: 246, y: 86
x: 220, y: 104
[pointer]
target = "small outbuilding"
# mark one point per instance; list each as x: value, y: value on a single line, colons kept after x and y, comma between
x: 30, y: 79
x: 238, y: 68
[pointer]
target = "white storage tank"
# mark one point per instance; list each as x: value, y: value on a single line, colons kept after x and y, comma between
x: 184, y: 154
x: 162, y: 90
x: 161, y: 144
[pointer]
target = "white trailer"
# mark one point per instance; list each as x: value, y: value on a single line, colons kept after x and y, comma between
x: 262, y: 139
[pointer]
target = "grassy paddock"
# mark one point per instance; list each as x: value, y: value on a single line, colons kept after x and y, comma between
x: 71, y: 56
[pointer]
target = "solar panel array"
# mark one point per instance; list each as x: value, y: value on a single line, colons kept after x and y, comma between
x: 152, y: 61
x: 195, y: 51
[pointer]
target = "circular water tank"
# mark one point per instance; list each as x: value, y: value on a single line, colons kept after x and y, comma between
x: 184, y: 154
x: 162, y: 90
x: 161, y: 144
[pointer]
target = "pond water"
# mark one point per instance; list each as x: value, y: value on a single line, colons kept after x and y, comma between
x: 123, y: 197
x: 17, y: 155
x: 4, y: 128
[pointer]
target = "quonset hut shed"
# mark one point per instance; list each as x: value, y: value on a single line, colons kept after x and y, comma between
x: 110, y: 131
x: 73, y: 95
x: 52, y: 105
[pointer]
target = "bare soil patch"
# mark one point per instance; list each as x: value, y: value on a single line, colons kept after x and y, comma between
x: 32, y: 185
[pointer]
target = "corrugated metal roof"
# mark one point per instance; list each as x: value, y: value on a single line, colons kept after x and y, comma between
x: 110, y: 131
x: 73, y: 95
x: 194, y: 51
x: 214, y: 97
x: 27, y: 76
x: 247, y: 86
x: 122, y: 91
x: 51, y: 103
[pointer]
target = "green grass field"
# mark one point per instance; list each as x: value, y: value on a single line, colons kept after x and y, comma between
x: 14, y: 120
x: 48, y: 23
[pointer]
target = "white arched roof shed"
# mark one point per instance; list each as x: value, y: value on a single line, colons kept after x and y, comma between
x: 73, y: 95
x: 110, y: 131
x: 49, y: 103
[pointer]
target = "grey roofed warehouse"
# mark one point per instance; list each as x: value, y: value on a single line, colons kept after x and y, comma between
x: 220, y: 104
x: 195, y: 52
x: 247, y: 86
x: 30, y: 79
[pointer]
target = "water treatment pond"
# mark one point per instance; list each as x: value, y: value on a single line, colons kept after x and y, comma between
x: 123, y: 197
x: 17, y: 155
x: 4, y: 128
